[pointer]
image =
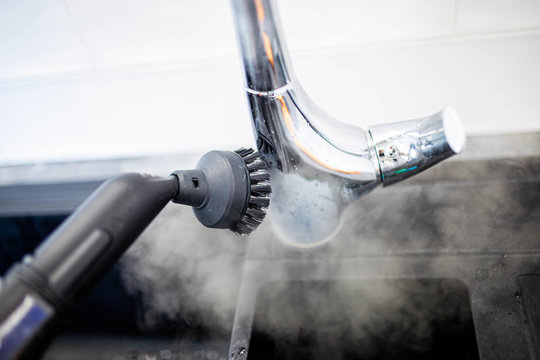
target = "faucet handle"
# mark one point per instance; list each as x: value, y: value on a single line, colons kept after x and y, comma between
x: 408, y: 147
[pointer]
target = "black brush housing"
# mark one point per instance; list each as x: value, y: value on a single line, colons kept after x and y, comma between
x: 227, y: 190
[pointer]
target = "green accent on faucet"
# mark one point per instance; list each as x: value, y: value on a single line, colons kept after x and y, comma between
x: 405, y: 170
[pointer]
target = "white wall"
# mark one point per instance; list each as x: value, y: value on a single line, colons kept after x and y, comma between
x: 107, y: 78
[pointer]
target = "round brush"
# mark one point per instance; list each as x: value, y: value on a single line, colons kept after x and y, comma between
x: 227, y: 190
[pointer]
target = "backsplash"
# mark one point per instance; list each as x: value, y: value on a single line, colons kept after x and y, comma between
x: 102, y: 79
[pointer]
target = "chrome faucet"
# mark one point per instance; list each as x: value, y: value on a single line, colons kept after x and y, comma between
x: 309, y: 149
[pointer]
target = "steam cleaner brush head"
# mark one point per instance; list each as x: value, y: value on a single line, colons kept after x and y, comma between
x: 227, y: 190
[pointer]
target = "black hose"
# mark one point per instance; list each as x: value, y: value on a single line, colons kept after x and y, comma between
x: 37, y: 295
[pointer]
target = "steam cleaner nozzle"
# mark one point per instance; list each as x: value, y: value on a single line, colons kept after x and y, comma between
x: 227, y: 190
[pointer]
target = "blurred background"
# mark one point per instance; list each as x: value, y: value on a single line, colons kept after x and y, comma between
x: 117, y: 78
x: 92, y: 88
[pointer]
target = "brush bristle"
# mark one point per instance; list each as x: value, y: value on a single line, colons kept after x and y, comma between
x: 259, y: 197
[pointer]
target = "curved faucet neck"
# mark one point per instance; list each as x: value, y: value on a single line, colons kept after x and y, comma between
x: 319, y: 162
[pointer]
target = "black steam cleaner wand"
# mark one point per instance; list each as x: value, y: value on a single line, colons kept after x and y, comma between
x: 227, y: 190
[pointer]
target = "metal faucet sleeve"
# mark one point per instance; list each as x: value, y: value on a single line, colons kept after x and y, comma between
x: 408, y: 147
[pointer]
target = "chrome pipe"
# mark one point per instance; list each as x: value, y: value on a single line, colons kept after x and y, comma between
x: 306, y: 146
x: 266, y: 61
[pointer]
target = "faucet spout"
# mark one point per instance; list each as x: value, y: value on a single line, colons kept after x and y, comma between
x: 406, y: 148
x: 306, y: 147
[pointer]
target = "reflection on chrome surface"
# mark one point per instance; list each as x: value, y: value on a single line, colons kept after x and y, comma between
x: 307, y: 147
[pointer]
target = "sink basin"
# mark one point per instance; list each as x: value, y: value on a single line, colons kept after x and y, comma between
x: 363, y: 319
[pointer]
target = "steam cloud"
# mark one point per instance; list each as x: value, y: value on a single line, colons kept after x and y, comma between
x: 304, y: 211
x: 192, y: 274
x: 185, y: 272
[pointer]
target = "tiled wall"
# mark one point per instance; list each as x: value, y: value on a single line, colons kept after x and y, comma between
x: 109, y: 78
